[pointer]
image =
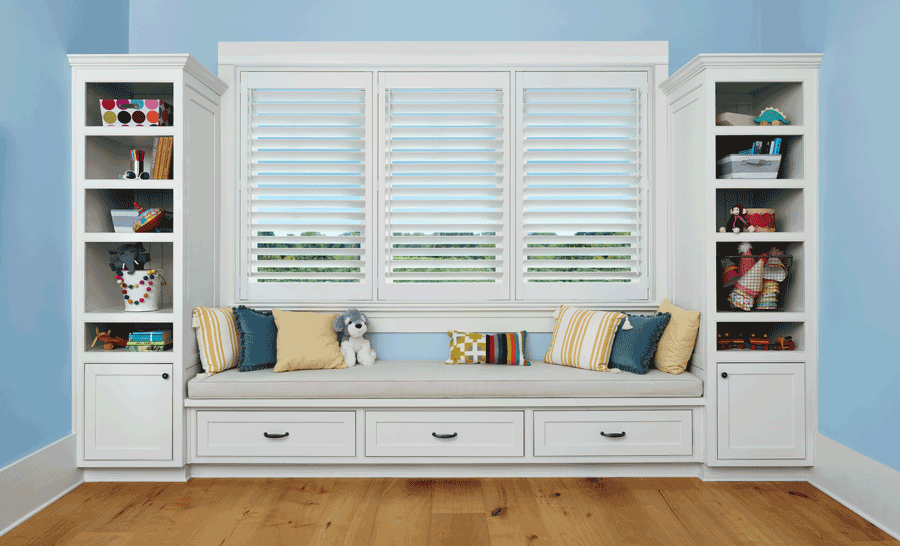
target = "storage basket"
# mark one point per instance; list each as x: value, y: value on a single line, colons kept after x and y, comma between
x: 135, y: 112
x: 749, y: 166
x: 760, y: 288
x: 761, y: 219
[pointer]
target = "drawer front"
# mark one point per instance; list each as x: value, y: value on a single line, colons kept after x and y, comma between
x: 276, y: 433
x: 445, y: 434
x: 598, y: 433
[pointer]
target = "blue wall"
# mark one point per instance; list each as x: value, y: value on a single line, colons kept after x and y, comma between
x: 35, y: 210
x: 859, y: 375
x: 859, y: 370
x: 691, y: 27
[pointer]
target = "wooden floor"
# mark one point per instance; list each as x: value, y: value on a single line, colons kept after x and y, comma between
x: 299, y: 512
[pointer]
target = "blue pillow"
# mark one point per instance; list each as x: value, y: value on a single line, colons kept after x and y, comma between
x: 258, y: 334
x: 633, y: 349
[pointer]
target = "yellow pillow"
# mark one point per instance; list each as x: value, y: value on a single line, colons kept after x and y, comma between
x: 582, y: 338
x: 306, y: 341
x: 217, y: 339
x: 677, y: 341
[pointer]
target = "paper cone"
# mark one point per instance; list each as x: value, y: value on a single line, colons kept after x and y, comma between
x: 751, y: 281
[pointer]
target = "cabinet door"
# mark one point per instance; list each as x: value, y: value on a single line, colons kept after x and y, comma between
x: 128, y: 412
x: 761, y: 411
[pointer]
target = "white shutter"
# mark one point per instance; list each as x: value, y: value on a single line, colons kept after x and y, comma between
x: 582, y: 183
x: 445, y: 186
x: 306, y: 185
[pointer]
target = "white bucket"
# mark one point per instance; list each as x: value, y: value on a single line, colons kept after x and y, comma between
x: 139, y: 291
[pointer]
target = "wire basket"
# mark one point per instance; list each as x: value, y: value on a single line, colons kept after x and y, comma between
x: 753, y: 282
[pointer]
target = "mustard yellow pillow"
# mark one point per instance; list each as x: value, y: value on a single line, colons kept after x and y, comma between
x: 677, y: 341
x: 306, y: 341
x: 582, y: 338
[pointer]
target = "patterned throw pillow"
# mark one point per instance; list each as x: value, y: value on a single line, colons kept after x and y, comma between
x: 582, y: 338
x: 217, y: 336
x: 474, y: 348
x: 633, y: 348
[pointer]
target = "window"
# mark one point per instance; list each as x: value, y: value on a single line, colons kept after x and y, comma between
x: 445, y: 186
x: 582, y: 183
x: 426, y: 185
x: 308, y: 185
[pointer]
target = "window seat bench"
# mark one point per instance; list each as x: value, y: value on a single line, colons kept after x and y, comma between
x: 434, y: 379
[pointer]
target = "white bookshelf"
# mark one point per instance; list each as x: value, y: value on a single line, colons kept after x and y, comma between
x: 128, y: 408
x: 763, y: 410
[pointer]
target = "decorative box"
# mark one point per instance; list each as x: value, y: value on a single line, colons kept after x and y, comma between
x: 762, y: 219
x: 749, y: 166
x: 123, y: 220
x: 135, y: 112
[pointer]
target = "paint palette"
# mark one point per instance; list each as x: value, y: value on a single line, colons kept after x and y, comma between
x: 135, y: 112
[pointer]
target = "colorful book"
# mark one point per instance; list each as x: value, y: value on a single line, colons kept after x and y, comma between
x: 156, y: 335
x: 149, y: 348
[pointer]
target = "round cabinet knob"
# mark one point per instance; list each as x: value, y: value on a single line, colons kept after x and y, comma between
x: 165, y: 376
x: 724, y: 375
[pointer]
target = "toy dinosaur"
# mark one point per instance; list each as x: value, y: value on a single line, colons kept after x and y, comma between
x: 128, y: 257
x: 771, y: 116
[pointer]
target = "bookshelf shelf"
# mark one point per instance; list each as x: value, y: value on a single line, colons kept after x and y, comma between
x: 706, y: 87
x: 100, y: 155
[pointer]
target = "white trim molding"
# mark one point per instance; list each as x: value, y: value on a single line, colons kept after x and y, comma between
x: 32, y: 483
x: 862, y: 484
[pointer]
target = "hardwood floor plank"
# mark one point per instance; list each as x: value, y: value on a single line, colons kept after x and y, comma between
x: 565, y: 515
x: 404, y: 513
x: 348, y: 519
x: 612, y: 504
x: 512, y: 513
x: 498, y: 512
x: 88, y: 538
x: 457, y: 496
x: 459, y: 529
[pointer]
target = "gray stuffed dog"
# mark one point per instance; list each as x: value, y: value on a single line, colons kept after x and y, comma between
x: 351, y: 325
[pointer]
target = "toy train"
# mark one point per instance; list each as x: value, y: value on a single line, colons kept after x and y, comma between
x: 762, y: 343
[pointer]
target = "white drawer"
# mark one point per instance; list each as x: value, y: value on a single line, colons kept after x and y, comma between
x: 585, y: 433
x: 445, y: 434
x: 276, y: 433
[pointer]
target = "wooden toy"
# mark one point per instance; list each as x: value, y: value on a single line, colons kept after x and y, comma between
x: 109, y: 341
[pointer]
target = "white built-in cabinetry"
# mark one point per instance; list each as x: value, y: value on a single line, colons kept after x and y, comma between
x: 760, y: 404
x: 129, y: 407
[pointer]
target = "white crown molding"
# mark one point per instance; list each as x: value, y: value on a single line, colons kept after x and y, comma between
x: 34, y: 482
x: 176, y: 61
x: 745, y: 60
x: 448, y: 54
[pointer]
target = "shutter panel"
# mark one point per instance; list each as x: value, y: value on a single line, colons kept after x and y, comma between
x: 306, y: 177
x: 582, y: 183
x: 445, y: 190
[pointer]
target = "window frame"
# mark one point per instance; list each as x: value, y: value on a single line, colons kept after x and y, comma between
x: 511, y: 57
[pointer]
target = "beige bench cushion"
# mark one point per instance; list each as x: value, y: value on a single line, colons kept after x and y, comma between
x: 433, y: 379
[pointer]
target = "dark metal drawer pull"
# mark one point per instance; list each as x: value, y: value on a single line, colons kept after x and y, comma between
x: 436, y: 435
x: 267, y: 435
x: 612, y: 434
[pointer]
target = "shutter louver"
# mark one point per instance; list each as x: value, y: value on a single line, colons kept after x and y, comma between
x: 445, y: 186
x: 307, y: 173
x: 582, y: 179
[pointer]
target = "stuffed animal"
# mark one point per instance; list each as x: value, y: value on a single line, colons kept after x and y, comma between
x: 351, y: 325
x: 128, y: 257
x: 737, y: 223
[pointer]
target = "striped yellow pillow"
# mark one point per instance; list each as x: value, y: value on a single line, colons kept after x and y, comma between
x: 582, y: 338
x: 217, y: 336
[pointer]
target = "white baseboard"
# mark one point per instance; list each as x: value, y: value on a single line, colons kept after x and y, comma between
x: 29, y: 485
x: 181, y: 474
x: 862, y: 484
x: 670, y: 470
